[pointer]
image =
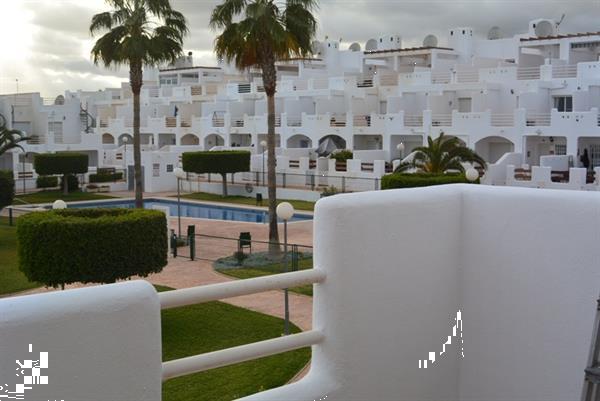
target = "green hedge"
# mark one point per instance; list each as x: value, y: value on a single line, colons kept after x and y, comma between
x: 91, y: 245
x: 399, y: 180
x: 73, y: 182
x: 7, y: 188
x: 61, y: 163
x: 47, y: 181
x: 221, y: 162
x: 106, y: 177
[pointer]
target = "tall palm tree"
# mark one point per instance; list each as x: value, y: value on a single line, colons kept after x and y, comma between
x: 441, y: 155
x: 258, y: 33
x: 138, y: 33
x: 10, y: 138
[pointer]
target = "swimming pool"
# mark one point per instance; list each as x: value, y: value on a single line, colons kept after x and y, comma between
x: 197, y: 210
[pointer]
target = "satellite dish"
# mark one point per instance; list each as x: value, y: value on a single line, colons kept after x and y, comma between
x: 317, y: 48
x: 59, y: 101
x: 544, y: 28
x: 355, y: 47
x: 494, y: 33
x: 371, y: 45
x: 430, y: 41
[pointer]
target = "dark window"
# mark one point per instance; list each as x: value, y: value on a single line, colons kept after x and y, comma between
x: 563, y: 104
x: 169, y: 168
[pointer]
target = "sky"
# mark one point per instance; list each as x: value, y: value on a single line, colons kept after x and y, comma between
x: 45, y: 44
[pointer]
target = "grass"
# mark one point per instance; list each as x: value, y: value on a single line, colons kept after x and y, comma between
x: 267, y: 270
x: 51, y: 196
x: 213, y: 326
x: 11, y: 278
x: 242, y: 200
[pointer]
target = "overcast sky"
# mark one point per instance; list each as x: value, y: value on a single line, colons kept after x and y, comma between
x: 45, y: 44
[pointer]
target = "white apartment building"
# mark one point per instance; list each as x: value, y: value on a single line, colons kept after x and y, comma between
x: 530, y: 96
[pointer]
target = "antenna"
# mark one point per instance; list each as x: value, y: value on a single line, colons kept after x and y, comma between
x: 561, y: 20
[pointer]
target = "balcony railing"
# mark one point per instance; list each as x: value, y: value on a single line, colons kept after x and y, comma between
x: 294, y: 164
x: 361, y: 120
x: 244, y: 88
x: 237, y: 122
x: 467, y: 76
x: 36, y: 140
x: 503, y: 120
x: 278, y: 121
x: 294, y: 121
x: 186, y: 122
x: 321, y: 84
x: 441, y: 77
x: 364, y: 83
x: 243, y: 353
x: 538, y: 119
x: 527, y: 73
x: 388, y: 80
x: 338, y: 120
x: 413, y: 120
x: 564, y: 71
x: 441, y: 120
x: 218, y: 122
x: 196, y: 91
x: 171, y: 122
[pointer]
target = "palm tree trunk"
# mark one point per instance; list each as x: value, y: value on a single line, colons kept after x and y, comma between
x: 136, y: 80
x: 269, y: 82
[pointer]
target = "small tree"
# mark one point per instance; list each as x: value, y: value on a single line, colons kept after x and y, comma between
x: 222, y: 162
x: 61, y: 163
x: 7, y: 188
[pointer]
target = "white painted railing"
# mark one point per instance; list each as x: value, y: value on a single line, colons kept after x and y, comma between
x: 413, y: 120
x: 467, y: 76
x: 441, y: 120
x: 230, y: 356
x: 538, y: 119
x: 294, y: 121
x: 441, y: 77
x: 503, y: 120
x: 564, y: 71
x: 526, y: 73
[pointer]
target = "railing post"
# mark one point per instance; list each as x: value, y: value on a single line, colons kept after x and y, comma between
x: 10, y: 216
x: 174, y: 243
x: 191, y: 232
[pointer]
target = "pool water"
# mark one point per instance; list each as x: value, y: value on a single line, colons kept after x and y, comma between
x: 197, y: 210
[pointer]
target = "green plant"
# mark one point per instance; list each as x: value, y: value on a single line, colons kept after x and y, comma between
x: 10, y: 138
x: 63, y: 163
x: 72, y: 183
x: 240, y: 256
x: 221, y: 162
x: 342, y: 155
x: 138, y: 33
x: 399, y: 180
x: 7, y: 188
x: 46, y: 181
x: 259, y: 33
x: 91, y: 245
x: 441, y: 155
x: 105, y: 177
x: 329, y: 191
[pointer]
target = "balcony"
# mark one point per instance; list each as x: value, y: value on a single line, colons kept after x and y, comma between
x: 361, y: 120
x: 337, y: 120
x: 503, y: 120
x: 564, y: 71
x: 413, y: 120
x: 294, y: 121
x: 528, y: 73
x: 538, y: 119
x: 441, y: 120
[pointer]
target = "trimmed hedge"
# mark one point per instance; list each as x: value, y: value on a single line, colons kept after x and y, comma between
x: 399, y: 180
x: 46, y: 181
x: 61, y: 247
x: 106, y: 177
x: 221, y: 162
x: 72, y: 181
x: 61, y: 163
x: 7, y: 188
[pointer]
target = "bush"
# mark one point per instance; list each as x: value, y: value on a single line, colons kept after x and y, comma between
x: 47, y: 181
x: 7, y: 188
x: 106, y: 177
x: 342, y: 155
x: 329, y: 191
x: 400, y: 180
x: 72, y: 181
x: 221, y: 162
x: 61, y: 247
x: 62, y: 163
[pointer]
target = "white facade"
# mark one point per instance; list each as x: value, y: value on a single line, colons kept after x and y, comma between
x: 529, y: 94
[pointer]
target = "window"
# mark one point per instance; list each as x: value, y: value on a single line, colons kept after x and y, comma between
x: 169, y: 168
x: 560, y: 150
x: 156, y: 170
x: 563, y: 104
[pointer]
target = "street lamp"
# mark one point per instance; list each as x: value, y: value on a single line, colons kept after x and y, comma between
x: 180, y: 174
x: 263, y: 145
x: 285, y: 211
x: 59, y: 204
x: 401, y: 148
x: 472, y: 174
x: 125, y: 140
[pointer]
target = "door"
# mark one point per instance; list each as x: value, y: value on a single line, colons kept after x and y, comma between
x: 464, y: 104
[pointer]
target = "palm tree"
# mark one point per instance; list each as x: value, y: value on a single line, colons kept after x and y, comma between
x: 138, y: 33
x: 441, y: 155
x: 10, y: 138
x: 258, y: 33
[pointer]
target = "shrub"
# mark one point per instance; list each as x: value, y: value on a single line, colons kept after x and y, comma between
x: 400, y: 180
x: 106, y: 177
x: 221, y: 162
x: 61, y: 247
x: 7, y: 188
x: 62, y: 163
x: 72, y: 183
x: 47, y: 181
x: 342, y: 155
x: 329, y: 191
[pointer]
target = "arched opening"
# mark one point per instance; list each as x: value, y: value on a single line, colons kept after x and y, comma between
x: 330, y: 143
x: 299, y: 141
x: 492, y: 148
x: 190, y: 140
x: 213, y: 140
x: 122, y: 139
x: 108, y: 139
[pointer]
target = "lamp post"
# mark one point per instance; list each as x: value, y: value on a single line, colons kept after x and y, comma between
x: 125, y: 140
x: 180, y: 174
x: 401, y: 148
x: 23, y: 172
x: 472, y: 175
x: 285, y: 211
x: 263, y: 145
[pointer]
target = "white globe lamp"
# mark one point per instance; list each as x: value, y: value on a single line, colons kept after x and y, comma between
x: 472, y: 174
x: 179, y: 173
x: 59, y: 204
x: 285, y: 211
x: 263, y: 144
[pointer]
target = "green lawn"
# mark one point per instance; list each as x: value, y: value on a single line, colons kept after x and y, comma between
x: 241, y: 200
x: 213, y: 326
x: 11, y: 278
x: 51, y: 196
x: 275, y: 268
